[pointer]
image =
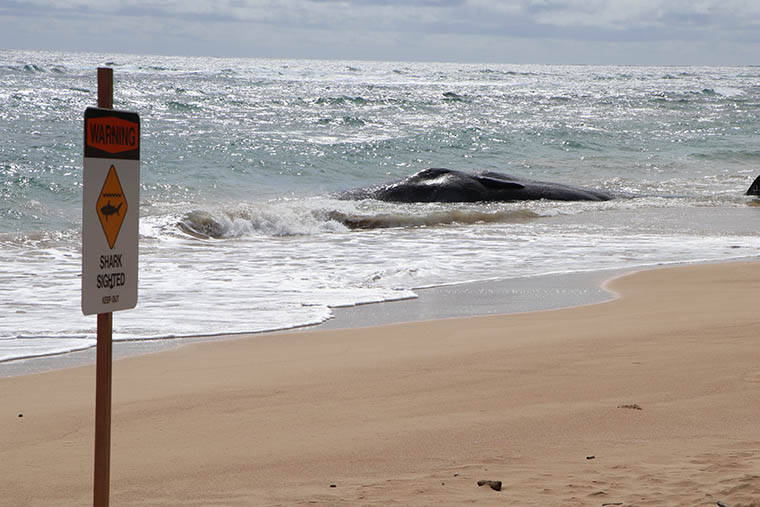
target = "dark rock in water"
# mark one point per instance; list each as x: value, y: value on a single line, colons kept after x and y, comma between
x: 633, y: 406
x: 754, y: 189
x: 494, y: 485
x: 448, y: 185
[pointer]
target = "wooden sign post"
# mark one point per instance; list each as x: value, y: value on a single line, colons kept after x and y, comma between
x: 103, y: 357
x: 110, y: 223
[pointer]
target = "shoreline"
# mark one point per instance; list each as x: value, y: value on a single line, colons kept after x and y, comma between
x: 648, y: 398
x: 505, y: 296
x: 469, y: 299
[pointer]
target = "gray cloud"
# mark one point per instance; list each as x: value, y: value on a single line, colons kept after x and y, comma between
x: 640, y: 31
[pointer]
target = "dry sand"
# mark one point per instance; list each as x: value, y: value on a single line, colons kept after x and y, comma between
x: 416, y: 414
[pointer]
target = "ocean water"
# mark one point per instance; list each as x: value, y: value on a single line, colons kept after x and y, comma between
x: 240, y: 229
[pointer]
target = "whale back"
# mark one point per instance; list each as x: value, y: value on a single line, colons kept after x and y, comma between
x: 498, y: 181
x: 431, y: 185
x: 449, y: 185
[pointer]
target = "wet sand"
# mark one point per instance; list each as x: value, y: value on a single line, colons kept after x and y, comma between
x: 652, y: 398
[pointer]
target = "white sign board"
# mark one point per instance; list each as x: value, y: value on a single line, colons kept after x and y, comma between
x: 110, y: 210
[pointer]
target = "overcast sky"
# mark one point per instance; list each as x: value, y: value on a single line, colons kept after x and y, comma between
x: 688, y: 32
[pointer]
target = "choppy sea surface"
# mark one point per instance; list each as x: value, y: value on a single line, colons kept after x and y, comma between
x: 240, y: 229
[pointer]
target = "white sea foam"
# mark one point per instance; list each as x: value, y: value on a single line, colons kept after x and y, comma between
x: 259, y: 279
x: 728, y: 91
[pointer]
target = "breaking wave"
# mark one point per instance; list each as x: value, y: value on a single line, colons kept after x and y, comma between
x: 436, y: 218
x: 286, y: 221
x: 35, y: 68
x: 274, y: 220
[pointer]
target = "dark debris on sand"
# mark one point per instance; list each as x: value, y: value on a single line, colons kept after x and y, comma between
x: 494, y: 485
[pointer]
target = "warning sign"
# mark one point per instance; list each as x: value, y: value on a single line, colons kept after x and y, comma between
x: 110, y: 205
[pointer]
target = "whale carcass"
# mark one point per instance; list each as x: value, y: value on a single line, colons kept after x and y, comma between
x: 449, y: 185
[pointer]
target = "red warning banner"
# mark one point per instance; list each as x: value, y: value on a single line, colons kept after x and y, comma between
x: 111, y: 134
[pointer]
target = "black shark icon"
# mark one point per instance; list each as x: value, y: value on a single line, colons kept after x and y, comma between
x: 109, y: 209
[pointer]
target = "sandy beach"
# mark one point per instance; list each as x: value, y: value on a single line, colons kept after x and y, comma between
x: 652, y: 398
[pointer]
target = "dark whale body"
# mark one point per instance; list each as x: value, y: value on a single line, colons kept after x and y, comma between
x: 448, y: 185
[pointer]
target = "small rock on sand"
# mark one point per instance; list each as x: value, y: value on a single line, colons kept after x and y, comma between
x: 494, y: 485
